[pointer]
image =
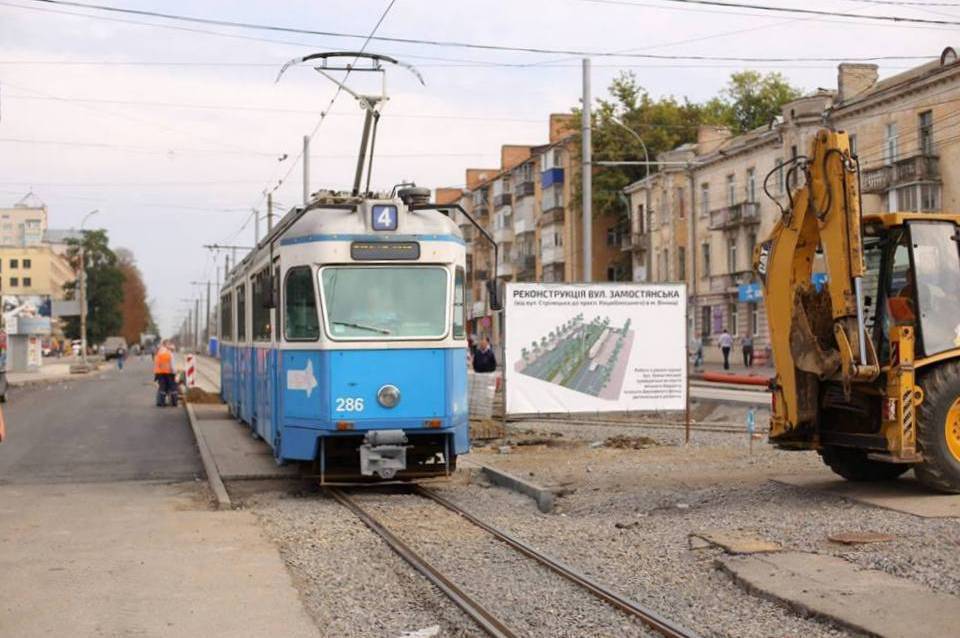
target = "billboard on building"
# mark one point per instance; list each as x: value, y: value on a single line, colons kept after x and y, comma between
x: 608, y: 347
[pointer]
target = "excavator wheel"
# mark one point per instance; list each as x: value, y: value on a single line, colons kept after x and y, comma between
x: 853, y: 465
x: 938, y: 433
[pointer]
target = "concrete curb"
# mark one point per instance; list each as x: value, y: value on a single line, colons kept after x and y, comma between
x: 541, y: 495
x: 209, y: 465
x: 58, y: 379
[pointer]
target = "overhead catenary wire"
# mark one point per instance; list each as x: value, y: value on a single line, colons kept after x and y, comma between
x: 475, y: 45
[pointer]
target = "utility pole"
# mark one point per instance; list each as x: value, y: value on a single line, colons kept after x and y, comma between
x: 83, y: 291
x: 269, y: 212
x: 256, y: 227
x: 196, y: 325
x: 306, y: 170
x: 587, y: 170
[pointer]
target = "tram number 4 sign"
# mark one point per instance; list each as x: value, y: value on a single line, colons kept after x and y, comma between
x: 384, y: 217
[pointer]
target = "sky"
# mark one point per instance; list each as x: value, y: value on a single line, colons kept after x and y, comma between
x: 174, y: 131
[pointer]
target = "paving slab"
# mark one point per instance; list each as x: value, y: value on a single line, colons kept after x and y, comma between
x: 738, y: 541
x: 236, y: 452
x: 902, y: 495
x: 139, y: 559
x: 864, y: 600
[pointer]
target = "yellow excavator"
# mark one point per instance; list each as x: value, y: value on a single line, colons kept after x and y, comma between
x: 867, y: 361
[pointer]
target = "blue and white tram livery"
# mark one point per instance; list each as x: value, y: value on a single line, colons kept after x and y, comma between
x: 343, y: 339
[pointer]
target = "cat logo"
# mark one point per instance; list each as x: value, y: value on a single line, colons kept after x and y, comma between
x: 763, y: 259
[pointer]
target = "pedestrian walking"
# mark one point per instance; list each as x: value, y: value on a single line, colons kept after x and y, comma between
x: 696, y: 349
x: 3, y: 427
x: 121, y: 355
x: 726, y: 343
x: 483, y: 359
x: 746, y: 344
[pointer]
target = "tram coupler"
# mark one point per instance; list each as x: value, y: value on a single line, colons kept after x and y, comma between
x: 383, y: 453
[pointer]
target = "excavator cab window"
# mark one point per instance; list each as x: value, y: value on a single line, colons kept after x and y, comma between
x: 936, y: 263
x: 890, y: 275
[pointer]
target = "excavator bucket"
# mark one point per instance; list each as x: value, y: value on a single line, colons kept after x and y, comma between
x: 812, y: 343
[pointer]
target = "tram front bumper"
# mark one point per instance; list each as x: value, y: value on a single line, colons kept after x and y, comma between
x: 384, y: 453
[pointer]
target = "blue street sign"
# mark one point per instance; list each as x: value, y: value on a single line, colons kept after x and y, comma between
x: 749, y: 293
x: 818, y: 279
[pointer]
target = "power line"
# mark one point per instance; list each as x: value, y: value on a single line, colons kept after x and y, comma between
x: 514, y: 49
x: 796, y: 10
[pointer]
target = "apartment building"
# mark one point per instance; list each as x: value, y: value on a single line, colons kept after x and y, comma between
x: 24, y: 223
x: 904, y: 130
x: 527, y: 205
x: 33, y: 270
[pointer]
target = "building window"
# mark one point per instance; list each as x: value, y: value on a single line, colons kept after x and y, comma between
x: 926, y: 132
x: 751, y: 185
x: 732, y: 255
x: 705, y: 316
x: 666, y: 265
x: 26, y: 282
x: 27, y: 263
x: 929, y: 197
x: 890, y: 151
x: 681, y: 209
x: 611, y: 274
x: 613, y: 241
x: 704, y: 199
x: 734, y: 319
x: 731, y: 190
x: 853, y: 144
x: 14, y: 263
x: 907, y: 198
x: 641, y: 221
x: 681, y: 263
x: 706, y: 259
x: 781, y: 185
x: 14, y: 282
x: 754, y: 319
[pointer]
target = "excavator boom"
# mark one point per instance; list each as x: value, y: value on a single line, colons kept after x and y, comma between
x: 816, y: 335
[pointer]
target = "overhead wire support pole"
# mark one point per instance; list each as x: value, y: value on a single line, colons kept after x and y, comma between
x: 586, y: 169
x: 306, y: 170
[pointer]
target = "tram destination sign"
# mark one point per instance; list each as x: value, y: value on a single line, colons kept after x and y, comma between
x: 607, y: 347
x: 385, y: 250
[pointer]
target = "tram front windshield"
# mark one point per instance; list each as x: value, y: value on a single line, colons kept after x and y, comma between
x: 384, y: 302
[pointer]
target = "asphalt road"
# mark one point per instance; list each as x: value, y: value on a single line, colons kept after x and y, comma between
x: 105, y: 428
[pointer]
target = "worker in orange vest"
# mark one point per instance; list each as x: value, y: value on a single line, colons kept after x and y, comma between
x: 165, y: 375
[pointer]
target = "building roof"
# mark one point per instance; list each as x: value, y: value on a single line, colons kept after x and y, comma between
x: 60, y: 235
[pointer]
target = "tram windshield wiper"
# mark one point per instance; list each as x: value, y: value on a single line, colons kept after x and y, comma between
x: 360, y: 326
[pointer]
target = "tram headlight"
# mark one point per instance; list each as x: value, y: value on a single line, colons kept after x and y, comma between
x: 388, y: 396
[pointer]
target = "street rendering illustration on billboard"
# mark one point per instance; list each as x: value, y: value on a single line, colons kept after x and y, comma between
x: 595, y: 347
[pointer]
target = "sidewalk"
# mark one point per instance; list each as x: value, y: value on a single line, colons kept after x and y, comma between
x: 736, y: 368
x: 139, y: 559
x: 50, y: 371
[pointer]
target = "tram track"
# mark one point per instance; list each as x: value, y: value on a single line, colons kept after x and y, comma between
x: 484, y: 618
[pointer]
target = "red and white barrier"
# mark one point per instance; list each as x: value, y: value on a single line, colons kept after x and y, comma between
x: 191, y: 371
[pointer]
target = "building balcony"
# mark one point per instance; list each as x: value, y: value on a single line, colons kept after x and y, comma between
x: 552, y: 255
x: 521, y: 226
x: 550, y: 177
x: 626, y: 242
x: 503, y: 235
x: 523, y: 189
x: 477, y: 309
x: 640, y: 242
x: 730, y: 281
x: 733, y: 217
x: 916, y: 168
x: 552, y: 216
x: 505, y: 270
x: 503, y: 199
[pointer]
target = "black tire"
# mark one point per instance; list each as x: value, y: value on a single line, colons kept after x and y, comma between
x: 940, y: 469
x: 853, y: 465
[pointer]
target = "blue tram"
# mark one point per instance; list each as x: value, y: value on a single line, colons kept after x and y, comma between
x: 343, y: 339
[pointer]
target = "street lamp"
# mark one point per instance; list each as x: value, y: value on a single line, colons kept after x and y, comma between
x: 83, y: 290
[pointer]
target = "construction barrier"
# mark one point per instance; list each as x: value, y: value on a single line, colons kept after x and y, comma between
x: 191, y: 371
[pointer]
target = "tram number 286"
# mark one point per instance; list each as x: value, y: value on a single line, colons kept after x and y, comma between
x: 349, y: 404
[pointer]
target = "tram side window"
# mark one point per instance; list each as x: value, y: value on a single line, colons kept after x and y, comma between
x: 242, y: 313
x: 261, y: 315
x: 226, y: 317
x: 459, y: 316
x: 300, y: 309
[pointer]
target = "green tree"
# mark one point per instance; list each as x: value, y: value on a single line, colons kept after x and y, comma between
x: 104, y: 287
x: 750, y: 100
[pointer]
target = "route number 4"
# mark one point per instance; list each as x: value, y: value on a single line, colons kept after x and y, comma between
x: 384, y: 217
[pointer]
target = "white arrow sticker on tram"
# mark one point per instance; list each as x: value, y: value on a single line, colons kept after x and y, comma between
x: 302, y: 379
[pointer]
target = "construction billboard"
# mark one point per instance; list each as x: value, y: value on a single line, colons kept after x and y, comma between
x: 610, y: 347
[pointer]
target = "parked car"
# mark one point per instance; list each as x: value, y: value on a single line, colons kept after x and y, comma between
x: 112, y: 346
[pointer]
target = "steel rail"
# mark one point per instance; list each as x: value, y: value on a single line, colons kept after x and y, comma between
x: 484, y: 619
x: 646, y: 615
